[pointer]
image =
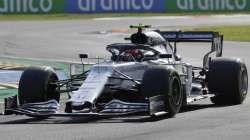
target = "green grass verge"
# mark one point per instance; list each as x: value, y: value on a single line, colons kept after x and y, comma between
x: 231, y: 33
x: 8, y: 61
x: 28, y: 62
x: 10, y: 17
x: 60, y: 66
x: 4, y: 93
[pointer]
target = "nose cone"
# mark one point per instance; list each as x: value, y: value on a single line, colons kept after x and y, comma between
x: 81, y: 105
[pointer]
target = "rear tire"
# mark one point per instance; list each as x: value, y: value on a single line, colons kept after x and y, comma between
x: 228, y: 80
x: 162, y: 81
x: 34, y: 85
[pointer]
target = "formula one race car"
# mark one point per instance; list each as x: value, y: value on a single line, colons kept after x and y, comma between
x: 145, y: 76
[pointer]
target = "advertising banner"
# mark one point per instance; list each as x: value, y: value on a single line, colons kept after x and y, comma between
x: 175, y: 6
x: 114, y: 6
x: 31, y: 6
x: 121, y: 6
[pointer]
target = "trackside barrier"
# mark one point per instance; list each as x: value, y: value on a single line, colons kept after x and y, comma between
x: 121, y: 6
x: 31, y: 6
x: 176, y: 6
x: 113, y: 6
x: 81, y: 6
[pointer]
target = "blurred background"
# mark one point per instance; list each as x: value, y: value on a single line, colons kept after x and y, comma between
x: 53, y: 33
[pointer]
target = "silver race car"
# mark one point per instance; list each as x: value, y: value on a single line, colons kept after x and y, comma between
x: 143, y: 77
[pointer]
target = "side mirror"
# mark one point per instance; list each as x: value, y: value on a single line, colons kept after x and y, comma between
x: 177, y: 57
x: 127, y: 38
x: 165, y: 56
x: 83, y: 56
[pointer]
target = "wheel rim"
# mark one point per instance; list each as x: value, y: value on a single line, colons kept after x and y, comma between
x: 51, y: 89
x: 244, y: 83
x: 176, y: 92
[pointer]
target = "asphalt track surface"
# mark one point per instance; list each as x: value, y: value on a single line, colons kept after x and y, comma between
x: 63, y: 40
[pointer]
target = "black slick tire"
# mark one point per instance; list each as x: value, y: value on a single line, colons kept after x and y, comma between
x: 228, y: 80
x: 34, y: 85
x: 163, y: 81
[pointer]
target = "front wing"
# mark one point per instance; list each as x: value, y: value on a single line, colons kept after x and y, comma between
x: 154, y: 106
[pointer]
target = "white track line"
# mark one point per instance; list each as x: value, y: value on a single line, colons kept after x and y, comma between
x: 148, y: 18
x: 172, y: 17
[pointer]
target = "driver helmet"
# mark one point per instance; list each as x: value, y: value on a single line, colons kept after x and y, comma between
x: 136, y: 53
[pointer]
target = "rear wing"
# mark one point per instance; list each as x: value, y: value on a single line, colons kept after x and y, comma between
x: 175, y: 36
x: 214, y: 38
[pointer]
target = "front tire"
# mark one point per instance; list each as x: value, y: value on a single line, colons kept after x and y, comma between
x: 162, y: 81
x: 34, y: 85
x: 228, y: 80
